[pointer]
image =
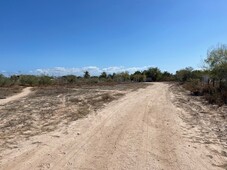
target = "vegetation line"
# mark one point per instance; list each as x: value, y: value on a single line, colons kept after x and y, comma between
x: 210, y: 82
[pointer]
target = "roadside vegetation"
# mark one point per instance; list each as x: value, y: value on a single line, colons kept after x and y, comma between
x: 210, y: 81
x: 152, y: 74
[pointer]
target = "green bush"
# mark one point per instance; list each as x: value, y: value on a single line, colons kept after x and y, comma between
x: 45, y: 80
x: 153, y: 74
x: 28, y: 80
x: 5, y: 81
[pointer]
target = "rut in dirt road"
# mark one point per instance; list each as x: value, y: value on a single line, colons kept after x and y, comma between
x: 142, y: 130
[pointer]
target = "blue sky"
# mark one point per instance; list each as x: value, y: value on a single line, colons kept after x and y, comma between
x: 121, y: 34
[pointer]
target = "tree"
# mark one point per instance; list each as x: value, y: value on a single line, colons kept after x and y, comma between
x: 184, y: 75
x: 220, y: 73
x: 216, y: 56
x: 86, y: 75
x: 121, y: 77
x: 103, y: 75
x: 166, y: 76
x: 217, y: 63
x: 153, y: 74
x: 138, y: 77
x: 125, y: 76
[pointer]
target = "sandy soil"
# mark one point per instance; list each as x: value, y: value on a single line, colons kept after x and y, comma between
x: 46, y: 109
x: 206, y: 123
x: 142, y: 130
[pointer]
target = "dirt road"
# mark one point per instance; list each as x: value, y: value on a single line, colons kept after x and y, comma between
x: 142, y: 130
x: 24, y: 93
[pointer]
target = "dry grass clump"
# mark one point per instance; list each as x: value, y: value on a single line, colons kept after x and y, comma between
x: 9, y: 91
x: 50, y: 91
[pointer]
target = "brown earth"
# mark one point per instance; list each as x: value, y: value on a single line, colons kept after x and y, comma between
x: 150, y: 128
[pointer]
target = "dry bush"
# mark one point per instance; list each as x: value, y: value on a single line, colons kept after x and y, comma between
x: 75, y: 100
x: 83, y: 111
x: 9, y: 91
x: 50, y: 91
x: 194, y: 87
x: 214, y: 95
x: 224, y: 97
x: 106, y: 97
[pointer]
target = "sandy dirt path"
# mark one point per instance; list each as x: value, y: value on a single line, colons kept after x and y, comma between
x: 24, y: 93
x: 142, y: 130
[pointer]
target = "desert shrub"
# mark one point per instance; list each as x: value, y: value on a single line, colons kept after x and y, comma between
x: 15, y: 79
x: 5, y: 81
x: 28, y: 80
x: 224, y: 97
x: 68, y: 79
x: 207, y: 89
x: 166, y: 76
x: 194, y: 86
x: 184, y: 75
x: 121, y: 77
x: 45, y: 80
x: 107, y: 97
x: 213, y: 98
x: 214, y: 95
x: 93, y: 81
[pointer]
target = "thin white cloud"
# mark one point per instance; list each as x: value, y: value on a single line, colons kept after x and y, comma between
x: 93, y: 70
x: 5, y: 73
